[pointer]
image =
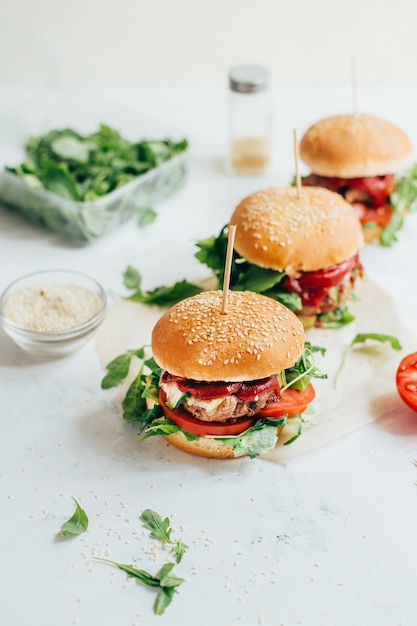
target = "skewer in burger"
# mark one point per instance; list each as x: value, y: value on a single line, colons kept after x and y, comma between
x: 358, y: 156
x: 301, y: 250
x: 224, y: 385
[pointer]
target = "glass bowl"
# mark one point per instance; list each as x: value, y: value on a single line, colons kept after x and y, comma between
x: 52, y: 313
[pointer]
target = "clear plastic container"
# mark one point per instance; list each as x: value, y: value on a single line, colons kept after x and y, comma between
x: 250, y: 121
x: 83, y: 222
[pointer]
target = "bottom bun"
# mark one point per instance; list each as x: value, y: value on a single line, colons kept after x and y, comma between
x: 372, y: 233
x: 204, y: 446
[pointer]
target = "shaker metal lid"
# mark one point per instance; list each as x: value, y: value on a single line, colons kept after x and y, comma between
x: 248, y: 78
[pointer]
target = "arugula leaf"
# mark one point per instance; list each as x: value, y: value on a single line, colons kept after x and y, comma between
x: 255, y: 278
x: 258, y: 439
x: 71, y: 148
x: 118, y: 369
x: 403, y: 199
x: 163, y: 427
x: 300, y: 374
x: 134, y: 404
x: 163, y: 599
x: 161, y: 530
x: 166, y: 296
x: 167, y: 578
x: 244, y: 276
x: 212, y: 252
x: 166, y: 581
x: 160, y: 296
x: 146, y: 216
x: 140, y: 575
x: 363, y: 338
x: 178, y: 549
x: 77, y: 524
x: 57, y: 178
x: 132, y: 278
x: 336, y: 318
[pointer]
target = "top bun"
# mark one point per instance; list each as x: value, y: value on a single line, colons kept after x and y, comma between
x: 278, y: 230
x: 256, y: 338
x: 355, y: 145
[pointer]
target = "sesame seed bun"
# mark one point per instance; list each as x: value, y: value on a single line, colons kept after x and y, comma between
x: 355, y: 145
x: 256, y: 338
x: 278, y: 230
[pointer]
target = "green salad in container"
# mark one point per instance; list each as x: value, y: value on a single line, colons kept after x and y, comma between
x: 84, y: 186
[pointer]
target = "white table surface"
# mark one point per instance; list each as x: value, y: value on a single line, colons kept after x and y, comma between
x: 329, y: 539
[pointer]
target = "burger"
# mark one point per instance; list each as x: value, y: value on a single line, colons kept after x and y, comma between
x: 223, y: 385
x: 358, y: 156
x: 298, y: 249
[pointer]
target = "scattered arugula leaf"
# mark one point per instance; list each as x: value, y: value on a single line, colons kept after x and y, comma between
x: 160, y: 296
x: 363, y: 338
x: 77, y: 524
x: 132, y: 279
x: 140, y: 575
x: 146, y: 216
x: 161, y: 530
x: 179, y: 548
x: 165, y: 581
x: 167, y: 578
x: 118, y: 369
x: 163, y: 599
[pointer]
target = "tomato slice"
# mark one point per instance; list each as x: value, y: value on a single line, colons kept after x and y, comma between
x: 187, y: 422
x: 378, y: 187
x: 204, y: 390
x: 329, y: 276
x: 406, y: 380
x: 291, y: 403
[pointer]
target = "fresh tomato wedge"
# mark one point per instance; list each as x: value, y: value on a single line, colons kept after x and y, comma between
x: 406, y: 380
x: 291, y: 403
x: 187, y: 422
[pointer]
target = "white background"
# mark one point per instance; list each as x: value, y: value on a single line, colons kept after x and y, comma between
x: 56, y: 43
x: 327, y: 539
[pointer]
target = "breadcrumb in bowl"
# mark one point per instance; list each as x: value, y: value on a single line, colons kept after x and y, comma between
x: 52, y: 313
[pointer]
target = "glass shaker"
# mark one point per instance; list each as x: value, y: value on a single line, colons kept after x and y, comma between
x: 250, y: 120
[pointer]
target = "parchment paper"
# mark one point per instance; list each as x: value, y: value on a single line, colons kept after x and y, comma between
x: 365, y: 389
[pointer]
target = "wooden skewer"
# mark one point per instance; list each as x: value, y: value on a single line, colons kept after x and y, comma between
x: 228, y: 267
x: 355, y: 106
x: 297, y: 162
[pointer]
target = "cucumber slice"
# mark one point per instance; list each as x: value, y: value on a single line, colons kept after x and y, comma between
x: 174, y: 395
